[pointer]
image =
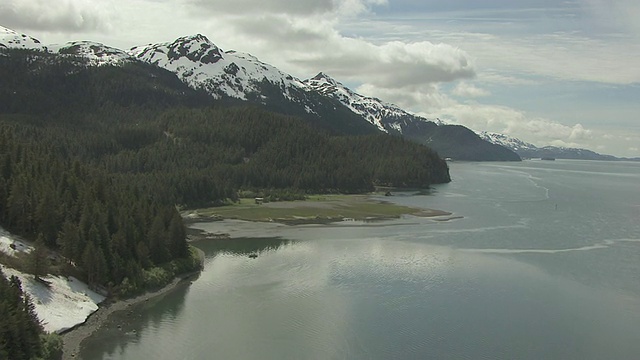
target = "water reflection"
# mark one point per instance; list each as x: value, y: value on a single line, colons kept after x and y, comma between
x: 374, y: 298
x: 126, y: 328
x: 513, y: 279
x: 240, y: 246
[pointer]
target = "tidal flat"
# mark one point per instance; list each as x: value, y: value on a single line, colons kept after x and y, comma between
x: 316, y: 209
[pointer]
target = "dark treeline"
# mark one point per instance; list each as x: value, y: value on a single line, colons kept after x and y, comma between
x: 94, y: 161
x: 109, y: 230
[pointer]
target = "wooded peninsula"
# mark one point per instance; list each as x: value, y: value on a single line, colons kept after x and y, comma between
x: 96, y: 162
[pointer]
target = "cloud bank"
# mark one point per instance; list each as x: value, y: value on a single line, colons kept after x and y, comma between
x: 58, y: 15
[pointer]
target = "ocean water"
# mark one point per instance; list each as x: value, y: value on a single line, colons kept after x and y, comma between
x: 539, y: 260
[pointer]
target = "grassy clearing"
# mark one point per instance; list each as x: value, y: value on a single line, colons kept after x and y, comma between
x: 316, y: 209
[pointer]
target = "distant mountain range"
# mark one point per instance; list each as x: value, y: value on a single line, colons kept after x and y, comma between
x: 236, y: 77
x: 527, y: 150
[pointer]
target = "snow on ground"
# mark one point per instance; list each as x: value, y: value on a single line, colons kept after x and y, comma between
x: 11, y: 246
x: 63, y: 304
x: 96, y: 53
x: 12, y: 39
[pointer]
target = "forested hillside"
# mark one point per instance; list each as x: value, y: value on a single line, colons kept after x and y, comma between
x: 95, y: 160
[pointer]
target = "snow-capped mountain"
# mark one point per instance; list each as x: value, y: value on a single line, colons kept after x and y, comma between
x: 450, y: 141
x: 232, y: 75
x: 203, y: 65
x: 384, y: 116
x: 97, y: 54
x: 528, y: 150
x: 237, y: 77
x: 13, y: 39
x: 506, y: 141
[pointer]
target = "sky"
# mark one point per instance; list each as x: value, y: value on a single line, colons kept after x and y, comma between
x: 562, y: 73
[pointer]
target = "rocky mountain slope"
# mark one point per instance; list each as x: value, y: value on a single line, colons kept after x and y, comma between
x: 451, y: 141
x: 235, y: 77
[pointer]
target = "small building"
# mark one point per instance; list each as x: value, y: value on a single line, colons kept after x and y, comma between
x: 259, y: 200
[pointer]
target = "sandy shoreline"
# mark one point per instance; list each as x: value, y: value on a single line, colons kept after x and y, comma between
x: 73, y: 338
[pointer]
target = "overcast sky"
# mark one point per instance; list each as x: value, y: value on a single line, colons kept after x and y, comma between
x: 549, y: 72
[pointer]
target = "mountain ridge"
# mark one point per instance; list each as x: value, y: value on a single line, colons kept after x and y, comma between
x: 528, y: 150
x: 451, y: 141
x: 234, y: 76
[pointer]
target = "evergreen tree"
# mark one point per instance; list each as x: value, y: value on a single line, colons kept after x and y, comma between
x: 20, y: 328
x: 38, y: 260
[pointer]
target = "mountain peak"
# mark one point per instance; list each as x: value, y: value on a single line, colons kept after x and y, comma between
x: 323, y: 76
x: 12, y: 39
x: 200, y: 63
x: 96, y: 53
x: 195, y: 48
x: 196, y: 37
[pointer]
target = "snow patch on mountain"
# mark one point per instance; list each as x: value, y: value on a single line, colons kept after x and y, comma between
x: 383, y: 115
x: 202, y: 65
x: 13, y: 39
x: 96, y: 53
x: 509, y: 142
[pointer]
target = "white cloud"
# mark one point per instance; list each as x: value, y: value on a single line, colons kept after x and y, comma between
x: 430, y: 102
x: 539, y: 131
x: 245, y: 7
x: 578, y: 132
x: 391, y: 65
x: 282, y: 7
x: 420, y: 97
x: 307, y: 45
x: 564, y: 56
x: 621, y: 15
x: 464, y: 89
x: 515, y: 123
x: 528, y: 48
x: 58, y: 15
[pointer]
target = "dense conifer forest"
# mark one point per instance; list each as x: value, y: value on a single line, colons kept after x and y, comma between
x: 96, y: 161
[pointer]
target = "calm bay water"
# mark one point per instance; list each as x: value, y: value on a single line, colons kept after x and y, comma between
x: 543, y: 264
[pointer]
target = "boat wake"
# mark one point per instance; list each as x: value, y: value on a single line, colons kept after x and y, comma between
x: 603, y: 245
